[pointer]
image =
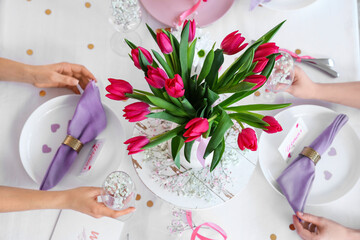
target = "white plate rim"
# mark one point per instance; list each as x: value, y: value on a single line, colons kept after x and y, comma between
x: 44, y: 106
x: 264, y: 170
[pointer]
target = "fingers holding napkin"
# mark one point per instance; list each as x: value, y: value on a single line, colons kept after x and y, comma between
x: 296, y: 180
x: 88, y: 121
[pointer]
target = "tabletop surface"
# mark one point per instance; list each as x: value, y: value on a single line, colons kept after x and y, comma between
x: 79, y: 32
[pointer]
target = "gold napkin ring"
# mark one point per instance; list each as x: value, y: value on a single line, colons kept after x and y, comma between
x: 311, y: 153
x: 74, y: 143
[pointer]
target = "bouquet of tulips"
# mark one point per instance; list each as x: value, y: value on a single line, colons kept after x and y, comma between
x: 189, y: 99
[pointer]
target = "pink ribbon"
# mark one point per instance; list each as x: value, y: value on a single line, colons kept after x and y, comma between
x: 294, y: 55
x: 188, y: 12
x: 208, y: 224
x: 203, y: 142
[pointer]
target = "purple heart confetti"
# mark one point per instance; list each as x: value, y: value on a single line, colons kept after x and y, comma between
x: 46, y: 149
x: 332, y: 152
x: 327, y: 175
x: 55, y: 127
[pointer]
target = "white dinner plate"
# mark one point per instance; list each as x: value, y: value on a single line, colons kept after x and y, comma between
x: 286, y: 5
x: 339, y: 168
x: 38, y: 132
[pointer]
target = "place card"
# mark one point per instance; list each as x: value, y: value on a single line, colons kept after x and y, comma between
x: 293, y: 138
x: 93, y: 154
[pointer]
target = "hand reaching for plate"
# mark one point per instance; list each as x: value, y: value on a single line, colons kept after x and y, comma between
x: 63, y: 74
x: 319, y: 228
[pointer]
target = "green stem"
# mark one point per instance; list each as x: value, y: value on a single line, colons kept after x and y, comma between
x: 241, y: 125
x: 212, y: 118
x: 143, y: 92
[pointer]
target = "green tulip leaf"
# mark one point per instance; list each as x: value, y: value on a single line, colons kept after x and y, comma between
x: 153, y: 34
x: 162, y: 62
x: 224, y: 124
x: 187, y: 150
x: 211, y: 78
x: 130, y: 44
x: 167, y: 106
x: 258, y: 107
x: 183, y: 54
x: 206, y: 66
x: 191, y: 53
x: 249, y: 119
x: 218, y: 153
x: 240, y: 87
x: 176, y: 144
x: 168, y: 117
x: 164, y: 137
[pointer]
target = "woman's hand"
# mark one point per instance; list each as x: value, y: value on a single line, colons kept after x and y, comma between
x: 318, y: 228
x: 84, y: 199
x: 302, y: 87
x: 60, y: 75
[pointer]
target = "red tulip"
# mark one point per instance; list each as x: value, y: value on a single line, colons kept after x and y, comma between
x: 232, y: 43
x: 164, y: 43
x: 175, y: 87
x: 258, y: 79
x: 261, y: 63
x: 196, y: 127
x: 266, y: 49
x: 118, y: 88
x: 136, y: 144
x: 136, y: 111
x: 156, y: 77
x: 247, y: 139
x: 274, y: 125
x: 135, y: 56
x: 192, y: 29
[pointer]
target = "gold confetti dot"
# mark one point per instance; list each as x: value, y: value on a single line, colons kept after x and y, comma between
x: 273, y: 237
x: 257, y: 93
x: 42, y: 93
x: 28, y: 0
x: 158, y: 30
x: 297, y: 51
x: 138, y: 197
x: 292, y: 227
x: 168, y: 29
x: 29, y: 52
x: 149, y: 204
x: 90, y: 46
x: 47, y: 11
x: 87, y: 4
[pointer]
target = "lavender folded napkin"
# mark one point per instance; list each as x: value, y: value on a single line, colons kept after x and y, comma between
x: 88, y: 122
x: 296, y: 180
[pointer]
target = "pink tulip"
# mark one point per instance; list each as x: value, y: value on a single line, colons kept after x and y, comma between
x: 156, y: 77
x: 274, y: 125
x: 232, y: 43
x: 135, y: 56
x: 192, y: 29
x: 164, y: 43
x: 266, y: 49
x: 175, y: 87
x: 118, y: 88
x: 136, y: 144
x: 136, y: 111
x: 258, y: 79
x: 247, y: 139
x: 196, y: 127
x: 261, y: 64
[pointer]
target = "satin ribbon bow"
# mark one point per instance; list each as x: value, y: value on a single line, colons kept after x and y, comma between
x: 294, y: 55
x: 188, y: 12
x: 208, y: 224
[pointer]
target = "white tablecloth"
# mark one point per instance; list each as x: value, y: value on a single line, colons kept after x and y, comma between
x: 327, y: 28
